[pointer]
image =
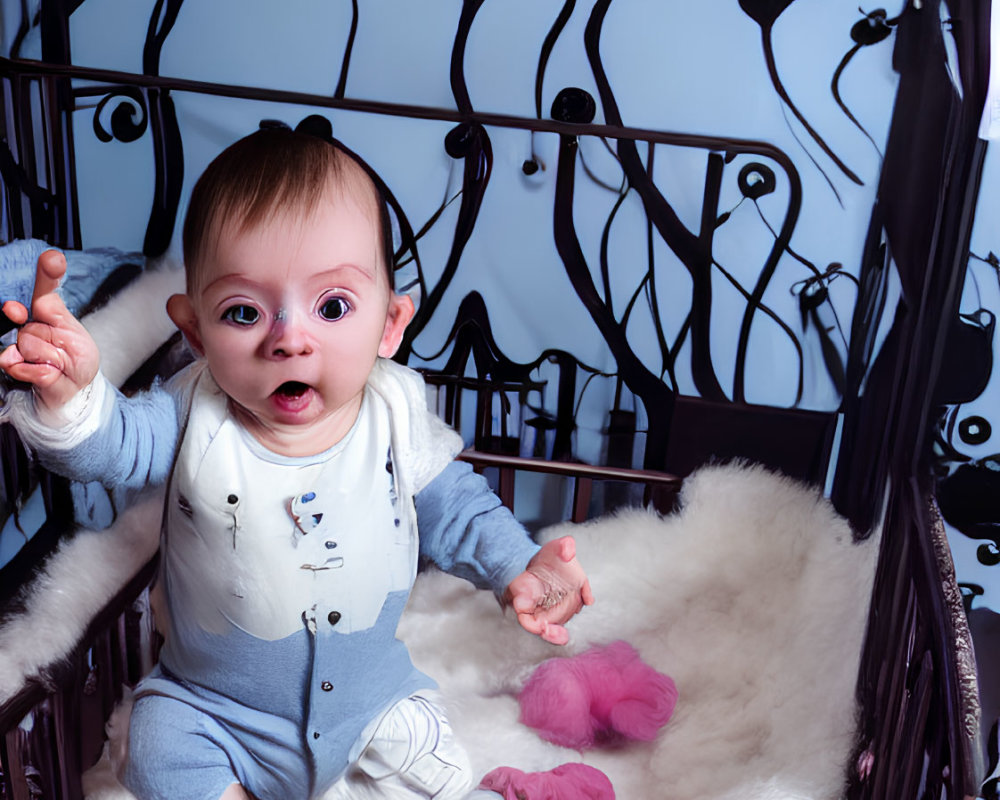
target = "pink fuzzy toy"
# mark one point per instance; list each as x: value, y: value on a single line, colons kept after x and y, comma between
x: 603, y: 695
x: 568, y: 782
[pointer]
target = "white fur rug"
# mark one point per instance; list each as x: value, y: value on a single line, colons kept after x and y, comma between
x: 752, y: 598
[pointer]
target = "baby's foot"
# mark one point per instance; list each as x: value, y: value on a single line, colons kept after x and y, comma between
x: 568, y: 782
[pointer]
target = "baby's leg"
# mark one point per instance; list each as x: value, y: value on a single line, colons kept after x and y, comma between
x: 171, y: 755
x: 411, y: 753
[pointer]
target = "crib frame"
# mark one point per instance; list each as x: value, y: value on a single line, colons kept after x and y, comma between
x: 912, y: 672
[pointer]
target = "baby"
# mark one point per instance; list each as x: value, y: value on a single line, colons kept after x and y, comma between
x: 300, y: 464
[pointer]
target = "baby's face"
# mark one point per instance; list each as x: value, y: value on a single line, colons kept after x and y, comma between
x: 291, y: 316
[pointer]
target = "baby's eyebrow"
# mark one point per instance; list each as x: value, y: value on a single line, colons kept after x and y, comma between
x: 324, y: 275
x: 333, y: 272
x: 232, y: 277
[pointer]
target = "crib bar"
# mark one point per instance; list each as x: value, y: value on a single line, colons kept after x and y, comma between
x: 63, y: 732
x: 660, y: 487
x: 582, y: 489
x: 505, y: 489
x: 14, y: 766
x: 912, y: 726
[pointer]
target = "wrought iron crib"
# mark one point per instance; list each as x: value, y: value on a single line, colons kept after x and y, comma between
x: 918, y: 731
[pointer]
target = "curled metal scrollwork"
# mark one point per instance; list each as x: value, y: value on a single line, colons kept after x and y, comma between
x: 756, y: 180
x: 127, y: 118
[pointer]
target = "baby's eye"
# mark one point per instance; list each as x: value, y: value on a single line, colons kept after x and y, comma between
x: 333, y: 308
x: 241, y: 315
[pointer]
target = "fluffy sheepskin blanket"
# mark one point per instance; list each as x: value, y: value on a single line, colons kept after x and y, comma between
x: 752, y: 598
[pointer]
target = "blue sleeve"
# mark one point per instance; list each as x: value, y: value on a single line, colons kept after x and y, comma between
x: 466, y: 531
x: 132, y: 449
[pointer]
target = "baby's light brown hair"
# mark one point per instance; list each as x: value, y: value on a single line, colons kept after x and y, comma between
x: 275, y: 169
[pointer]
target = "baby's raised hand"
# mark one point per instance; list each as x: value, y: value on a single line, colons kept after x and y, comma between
x: 552, y: 588
x: 54, y: 353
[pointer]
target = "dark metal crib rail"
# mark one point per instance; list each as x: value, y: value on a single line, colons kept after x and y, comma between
x: 54, y: 728
x: 660, y: 488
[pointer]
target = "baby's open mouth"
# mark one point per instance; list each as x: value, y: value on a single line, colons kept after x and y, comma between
x: 292, y: 389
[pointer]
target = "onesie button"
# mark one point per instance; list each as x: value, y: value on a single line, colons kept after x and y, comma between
x: 333, y: 617
x: 232, y: 499
x: 315, y: 734
x: 326, y: 686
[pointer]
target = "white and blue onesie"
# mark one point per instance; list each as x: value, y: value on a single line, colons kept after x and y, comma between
x: 283, y: 579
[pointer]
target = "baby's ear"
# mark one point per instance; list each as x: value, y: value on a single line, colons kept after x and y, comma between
x: 397, y: 317
x: 181, y: 312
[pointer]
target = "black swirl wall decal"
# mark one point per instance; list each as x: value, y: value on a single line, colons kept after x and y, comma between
x: 695, y: 251
x: 470, y: 143
x: 348, y: 50
x: 458, y: 85
x: 871, y: 29
x: 765, y: 13
x: 546, y: 50
x: 757, y: 180
x: 605, y: 262
x: 24, y: 25
x: 127, y: 121
x: 975, y: 430
x: 967, y: 357
x: 650, y: 281
x: 689, y: 248
x: 168, y: 150
x: 968, y: 489
x: 969, y: 499
x: 533, y: 163
x: 658, y: 398
x: 472, y: 336
x: 814, y: 297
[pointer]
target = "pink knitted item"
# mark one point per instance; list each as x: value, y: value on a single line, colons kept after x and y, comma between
x: 568, y: 782
x: 604, y: 695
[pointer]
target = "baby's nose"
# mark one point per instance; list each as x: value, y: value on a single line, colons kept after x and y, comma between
x: 288, y: 336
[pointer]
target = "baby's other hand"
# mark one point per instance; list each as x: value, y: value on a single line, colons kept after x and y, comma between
x: 552, y: 588
x: 54, y: 353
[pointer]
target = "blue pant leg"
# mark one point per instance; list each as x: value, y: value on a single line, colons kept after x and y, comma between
x: 194, y: 748
x: 170, y: 755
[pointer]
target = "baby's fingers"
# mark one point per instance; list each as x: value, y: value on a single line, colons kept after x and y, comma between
x: 556, y: 634
x: 39, y: 344
x: 49, y: 270
x: 46, y: 305
x: 13, y: 362
x: 15, y: 312
x: 548, y: 631
x: 38, y: 375
x: 10, y: 357
x: 51, y: 310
